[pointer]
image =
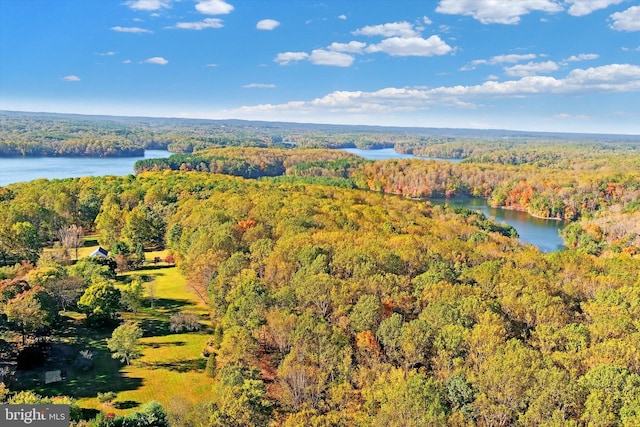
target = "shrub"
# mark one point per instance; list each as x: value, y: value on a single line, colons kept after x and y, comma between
x: 107, y: 397
x: 184, y: 322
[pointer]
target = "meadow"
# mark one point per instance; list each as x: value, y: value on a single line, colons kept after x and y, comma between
x: 170, y: 369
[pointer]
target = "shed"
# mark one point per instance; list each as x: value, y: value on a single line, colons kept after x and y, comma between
x: 100, y: 252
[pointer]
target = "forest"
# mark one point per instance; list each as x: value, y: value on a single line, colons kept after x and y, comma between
x: 40, y: 134
x: 284, y: 285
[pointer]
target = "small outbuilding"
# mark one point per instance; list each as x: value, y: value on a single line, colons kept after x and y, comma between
x: 100, y: 252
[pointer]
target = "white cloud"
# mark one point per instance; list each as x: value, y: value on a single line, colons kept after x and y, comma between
x: 400, y: 29
x: 127, y: 61
x: 158, y: 60
x: 343, y: 17
x: 267, y: 24
x: 565, y: 116
x: 426, y: 20
x: 351, y: 47
x: 211, y: 65
x: 110, y: 53
x: 259, y: 86
x: 582, y: 57
x: 628, y: 20
x: 148, y: 4
x: 497, y: 12
x: 585, y: 7
x: 214, y: 7
x: 71, y: 78
x: 200, y: 25
x: 285, y: 58
x: 411, y: 46
x: 334, y: 59
x: 531, y: 69
x: 608, y: 78
x: 499, y: 59
x: 614, y: 76
x: 130, y: 30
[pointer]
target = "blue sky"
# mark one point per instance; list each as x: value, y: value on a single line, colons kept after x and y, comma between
x: 547, y: 65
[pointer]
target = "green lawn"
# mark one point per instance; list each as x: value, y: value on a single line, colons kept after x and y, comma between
x: 171, y: 365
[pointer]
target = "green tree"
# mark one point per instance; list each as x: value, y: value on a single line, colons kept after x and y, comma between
x: 26, y: 241
x: 240, y: 399
x: 100, y: 302
x: 125, y: 342
x: 144, y: 226
x: 405, y: 400
x: 93, y: 269
x: 109, y: 223
x: 390, y: 336
x: 612, y: 392
x: 366, y: 313
x: 132, y: 295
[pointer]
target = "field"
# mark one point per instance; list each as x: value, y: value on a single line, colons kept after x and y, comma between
x: 170, y: 370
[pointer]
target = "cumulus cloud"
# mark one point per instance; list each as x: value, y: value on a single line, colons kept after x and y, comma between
x: 127, y: 61
x: 148, y: 4
x: 267, y: 24
x: 585, y: 7
x: 608, y: 78
x: 628, y: 20
x: 158, y: 60
x: 426, y: 20
x: 285, y: 58
x: 259, y: 86
x: 351, y: 47
x: 71, y: 78
x: 531, y: 69
x: 201, y: 25
x: 130, y: 30
x: 616, y: 76
x: 497, y: 12
x: 214, y: 7
x: 411, y: 46
x: 399, y: 29
x: 334, y: 59
x: 343, y: 17
x: 582, y: 57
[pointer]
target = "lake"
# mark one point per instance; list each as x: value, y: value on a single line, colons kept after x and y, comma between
x: 19, y: 169
x: 540, y: 232
x: 543, y: 233
x: 390, y: 153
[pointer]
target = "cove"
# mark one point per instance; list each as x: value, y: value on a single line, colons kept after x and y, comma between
x: 543, y: 233
x: 21, y: 169
x: 390, y: 153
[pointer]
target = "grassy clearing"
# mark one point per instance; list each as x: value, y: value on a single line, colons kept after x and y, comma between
x: 171, y: 365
